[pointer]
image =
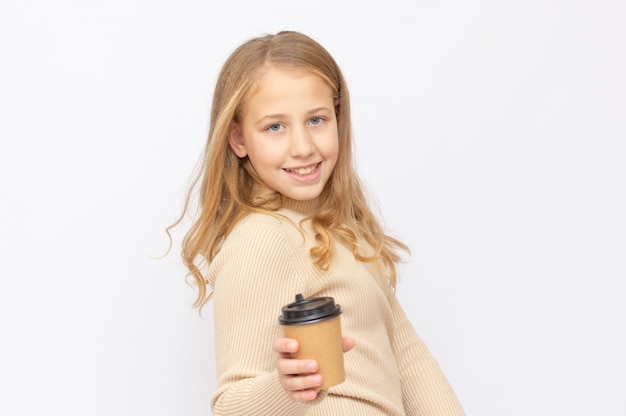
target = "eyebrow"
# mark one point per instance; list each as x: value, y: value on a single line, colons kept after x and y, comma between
x: 269, y: 117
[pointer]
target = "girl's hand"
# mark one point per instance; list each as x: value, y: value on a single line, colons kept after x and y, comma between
x: 299, y: 378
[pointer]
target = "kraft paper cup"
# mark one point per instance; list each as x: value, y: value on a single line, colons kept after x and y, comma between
x: 315, y: 324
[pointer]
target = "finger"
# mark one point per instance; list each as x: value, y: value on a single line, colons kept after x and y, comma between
x: 348, y: 344
x: 299, y: 383
x: 293, y: 384
x: 285, y: 345
x: 302, y: 395
x: 287, y: 366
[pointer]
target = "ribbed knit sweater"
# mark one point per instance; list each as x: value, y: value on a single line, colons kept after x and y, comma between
x: 263, y: 263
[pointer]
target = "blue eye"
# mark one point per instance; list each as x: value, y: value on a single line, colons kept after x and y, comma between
x: 316, y: 121
x: 274, y: 127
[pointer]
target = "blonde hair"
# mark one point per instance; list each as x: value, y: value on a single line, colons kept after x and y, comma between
x: 226, y: 183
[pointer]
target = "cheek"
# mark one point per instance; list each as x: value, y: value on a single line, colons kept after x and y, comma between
x: 263, y: 154
x: 332, y: 149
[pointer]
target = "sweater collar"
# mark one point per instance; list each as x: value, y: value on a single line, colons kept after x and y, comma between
x: 306, y: 208
x: 303, y: 207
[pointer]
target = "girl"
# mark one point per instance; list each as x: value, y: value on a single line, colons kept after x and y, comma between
x: 282, y: 212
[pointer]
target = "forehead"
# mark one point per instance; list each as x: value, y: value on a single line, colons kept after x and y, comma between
x: 270, y: 72
x: 278, y: 85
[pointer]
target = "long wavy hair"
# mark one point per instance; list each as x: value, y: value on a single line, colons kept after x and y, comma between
x: 225, y: 184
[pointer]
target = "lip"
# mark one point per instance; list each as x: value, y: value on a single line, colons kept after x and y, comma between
x: 309, y: 177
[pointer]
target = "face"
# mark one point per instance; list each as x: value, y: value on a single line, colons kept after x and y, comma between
x: 288, y: 130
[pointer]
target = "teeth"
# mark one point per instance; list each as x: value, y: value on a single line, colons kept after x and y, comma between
x: 303, y: 171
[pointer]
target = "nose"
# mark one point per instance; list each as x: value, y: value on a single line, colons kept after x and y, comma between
x: 301, y: 143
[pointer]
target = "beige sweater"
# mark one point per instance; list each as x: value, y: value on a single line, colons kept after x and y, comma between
x: 261, y: 266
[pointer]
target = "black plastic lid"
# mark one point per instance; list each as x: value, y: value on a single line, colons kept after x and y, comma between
x: 307, y: 311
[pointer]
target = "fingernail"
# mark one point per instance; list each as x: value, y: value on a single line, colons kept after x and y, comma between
x: 311, y: 366
x: 292, y: 346
x: 316, y: 379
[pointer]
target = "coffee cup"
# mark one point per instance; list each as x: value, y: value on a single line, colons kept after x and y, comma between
x: 315, y: 324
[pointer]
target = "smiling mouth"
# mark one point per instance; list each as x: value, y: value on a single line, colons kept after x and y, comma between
x: 303, y: 171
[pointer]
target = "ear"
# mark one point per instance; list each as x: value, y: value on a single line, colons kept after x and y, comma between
x: 235, y: 140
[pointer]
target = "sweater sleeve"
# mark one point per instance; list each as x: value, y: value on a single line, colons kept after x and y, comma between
x: 252, y: 278
x: 425, y: 389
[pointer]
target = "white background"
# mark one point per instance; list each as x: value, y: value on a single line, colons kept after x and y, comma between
x: 491, y: 133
